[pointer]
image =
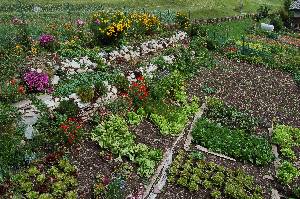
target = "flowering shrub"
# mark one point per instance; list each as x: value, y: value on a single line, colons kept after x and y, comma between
x: 144, y: 23
x: 72, y: 129
x: 47, y: 41
x: 37, y: 82
x: 182, y: 20
x: 109, y: 28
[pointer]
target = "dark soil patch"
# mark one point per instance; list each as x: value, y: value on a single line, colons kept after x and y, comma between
x: 149, y: 134
x: 85, y: 156
x: 267, y: 94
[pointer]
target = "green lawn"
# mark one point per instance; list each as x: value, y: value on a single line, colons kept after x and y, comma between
x: 197, y: 8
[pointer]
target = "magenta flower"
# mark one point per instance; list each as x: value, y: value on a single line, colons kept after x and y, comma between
x: 46, y: 39
x: 36, y: 81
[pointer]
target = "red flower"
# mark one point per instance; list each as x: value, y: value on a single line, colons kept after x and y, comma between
x: 21, y: 89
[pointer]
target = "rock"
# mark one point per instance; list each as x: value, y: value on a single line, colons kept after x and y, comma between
x: 275, y: 194
x: 275, y: 151
x: 55, y: 80
x: 22, y: 104
x: 268, y: 177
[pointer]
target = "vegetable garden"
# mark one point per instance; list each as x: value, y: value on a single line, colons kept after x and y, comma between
x: 143, y: 104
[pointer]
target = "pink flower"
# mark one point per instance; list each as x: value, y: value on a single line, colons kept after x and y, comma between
x: 80, y: 22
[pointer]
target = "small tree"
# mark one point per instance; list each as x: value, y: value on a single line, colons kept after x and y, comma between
x: 262, y: 12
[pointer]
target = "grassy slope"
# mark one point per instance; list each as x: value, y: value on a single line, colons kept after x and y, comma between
x: 198, y: 8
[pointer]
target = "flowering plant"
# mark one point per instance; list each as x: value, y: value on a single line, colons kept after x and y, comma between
x: 182, y: 20
x: 11, y: 90
x: 37, y: 82
x: 109, y: 28
x: 144, y: 23
x: 72, y: 129
x: 138, y: 92
x: 47, y: 40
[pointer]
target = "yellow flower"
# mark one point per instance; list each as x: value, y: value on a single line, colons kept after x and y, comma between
x: 34, y: 50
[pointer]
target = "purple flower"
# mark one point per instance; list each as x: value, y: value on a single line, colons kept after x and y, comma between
x: 46, y: 39
x: 105, y: 180
x: 97, y: 21
x: 36, y: 81
x: 80, y: 22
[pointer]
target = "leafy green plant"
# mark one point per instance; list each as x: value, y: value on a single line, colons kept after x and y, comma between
x: 229, y: 116
x: 198, y: 174
x: 114, y: 135
x: 235, y: 143
x: 31, y: 182
x: 287, y: 138
x: 287, y: 173
x: 136, y: 118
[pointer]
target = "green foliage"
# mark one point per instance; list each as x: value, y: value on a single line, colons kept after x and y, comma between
x: 277, y: 22
x: 86, y: 93
x: 68, y: 108
x: 235, y: 143
x: 136, y: 118
x: 114, y: 135
x: 13, y: 146
x: 287, y: 173
x: 30, y: 181
x: 229, y: 116
x: 198, y: 174
x: 262, y: 12
x: 172, y: 120
x: 297, y: 192
x: 287, y: 138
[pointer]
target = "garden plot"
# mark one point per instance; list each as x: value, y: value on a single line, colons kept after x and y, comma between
x: 111, y: 119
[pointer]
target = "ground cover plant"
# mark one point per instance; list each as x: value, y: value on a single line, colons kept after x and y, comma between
x: 96, y: 98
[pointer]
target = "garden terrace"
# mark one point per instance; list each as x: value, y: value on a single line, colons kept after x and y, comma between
x: 139, y: 103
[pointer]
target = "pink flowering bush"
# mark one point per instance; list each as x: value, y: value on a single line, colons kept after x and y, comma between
x: 37, y: 82
x: 47, y: 40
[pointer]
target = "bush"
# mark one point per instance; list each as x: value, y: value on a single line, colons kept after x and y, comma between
x: 86, y: 93
x: 68, y: 108
x: 182, y: 21
x: 277, y: 22
x: 109, y: 28
x: 235, y: 143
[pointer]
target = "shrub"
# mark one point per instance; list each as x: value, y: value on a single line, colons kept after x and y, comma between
x: 143, y: 23
x: 276, y: 21
x: 86, y: 93
x: 109, y: 28
x: 182, y: 20
x: 235, y: 143
x: 68, y: 108
x: 100, y: 89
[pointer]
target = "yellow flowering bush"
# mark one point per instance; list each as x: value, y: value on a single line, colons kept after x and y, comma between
x: 182, y: 20
x: 144, y: 23
x: 109, y: 28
